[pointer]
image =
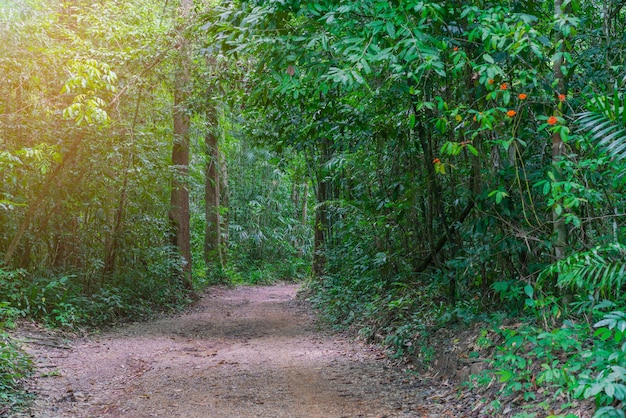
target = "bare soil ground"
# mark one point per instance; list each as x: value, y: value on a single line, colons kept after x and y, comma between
x: 238, y: 352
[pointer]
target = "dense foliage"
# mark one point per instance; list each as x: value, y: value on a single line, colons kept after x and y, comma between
x: 427, y: 163
x: 465, y: 157
x: 87, y: 130
x: 96, y: 103
x: 15, y: 366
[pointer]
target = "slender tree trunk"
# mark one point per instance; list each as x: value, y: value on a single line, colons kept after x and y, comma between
x: 112, y: 245
x: 304, y: 215
x: 321, y: 224
x: 179, y: 199
x: 299, y: 198
x: 113, y: 241
x: 305, y: 204
x: 322, y: 235
x: 212, y: 237
x: 436, y: 205
x: 559, y: 227
x: 224, y: 205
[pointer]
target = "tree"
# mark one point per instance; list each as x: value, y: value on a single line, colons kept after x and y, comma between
x: 431, y: 134
x: 562, y: 28
x: 213, y: 247
x: 179, y: 202
x: 84, y: 152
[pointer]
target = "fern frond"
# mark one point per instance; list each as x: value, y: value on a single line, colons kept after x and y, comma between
x: 601, y: 270
x: 605, y: 124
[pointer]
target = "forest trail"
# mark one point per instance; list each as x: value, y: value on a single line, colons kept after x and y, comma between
x: 238, y: 352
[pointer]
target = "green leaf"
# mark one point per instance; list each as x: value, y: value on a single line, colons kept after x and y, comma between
x: 608, y: 411
x: 391, y: 30
x: 505, y: 375
x: 528, y: 289
x: 506, y: 97
x: 472, y: 150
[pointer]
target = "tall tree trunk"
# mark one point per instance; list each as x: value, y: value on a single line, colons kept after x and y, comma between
x: 113, y: 241
x: 224, y: 204
x: 559, y: 227
x: 424, y: 135
x: 321, y: 225
x: 212, y: 236
x: 179, y: 198
x: 304, y: 215
x: 322, y: 234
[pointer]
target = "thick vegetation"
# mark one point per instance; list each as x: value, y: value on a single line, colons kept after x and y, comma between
x: 465, y: 157
x: 427, y: 163
x: 99, y: 103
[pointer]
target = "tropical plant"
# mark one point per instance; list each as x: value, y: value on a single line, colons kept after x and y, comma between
x: 599, y: 271
x: 605, y: 123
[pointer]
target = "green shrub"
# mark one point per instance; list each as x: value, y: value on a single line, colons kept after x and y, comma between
x: 15, y: 365
x: 70, y: 300
x: 575, y: 360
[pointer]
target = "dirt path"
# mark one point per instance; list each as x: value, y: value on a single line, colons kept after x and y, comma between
x: 239, y: 352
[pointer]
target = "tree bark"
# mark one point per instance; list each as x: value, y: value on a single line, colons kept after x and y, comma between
x: 321, y: 224
x: 179, y: 199
x: 559, y: 227
x: 212, y: 236
x: 304, y: 215
x: 224, y: 205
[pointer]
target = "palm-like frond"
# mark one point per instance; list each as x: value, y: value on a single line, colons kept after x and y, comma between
x: 601, y: 270
x: 605, y: 123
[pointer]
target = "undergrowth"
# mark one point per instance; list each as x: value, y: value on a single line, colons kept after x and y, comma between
x: 394, y: 314
x: 70, y: 300
x: 547, y: 360
x: 542, y: 353
x: 15, y: 365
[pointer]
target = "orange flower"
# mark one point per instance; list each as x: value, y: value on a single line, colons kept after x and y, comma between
x: 522, y: 96
x: 562, y: 97
x: 436, y: 161
x: 503, y: 86
x: 552, y: 120
x: 511, y: 113
x: 491, y: 81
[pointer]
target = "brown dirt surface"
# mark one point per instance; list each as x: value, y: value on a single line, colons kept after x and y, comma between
x: 237, y: 352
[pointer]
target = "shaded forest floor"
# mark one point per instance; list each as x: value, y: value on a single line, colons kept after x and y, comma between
x: 237, y: 352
